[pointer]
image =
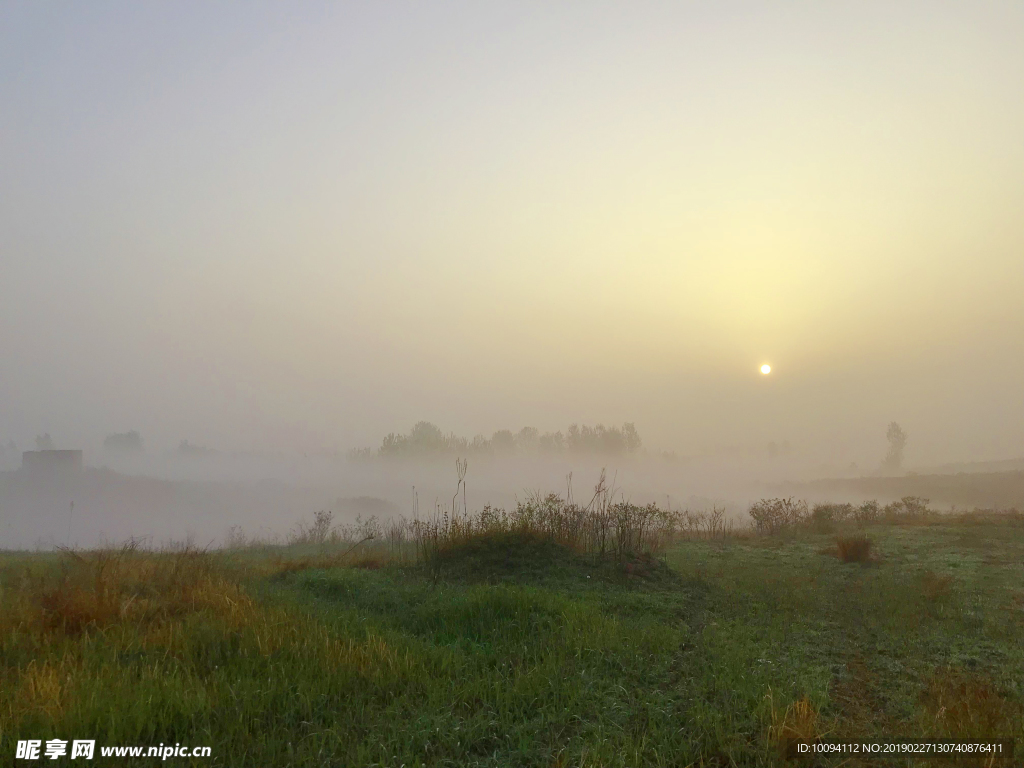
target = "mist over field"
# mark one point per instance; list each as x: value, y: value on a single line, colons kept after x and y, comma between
x: 488, y: 384
x: 240, y: 250
x: 204, y: 493
x: 209, y: 497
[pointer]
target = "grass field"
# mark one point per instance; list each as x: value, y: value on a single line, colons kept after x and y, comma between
x: 965, y: 490
x: 515, y: 650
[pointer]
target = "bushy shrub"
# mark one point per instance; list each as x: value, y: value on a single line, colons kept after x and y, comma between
x: 833, y: 512
x: 868, y: 512
x: 825, y: 515
x: 773, y: 515
x: 854, y: 549
x: 907, y: 507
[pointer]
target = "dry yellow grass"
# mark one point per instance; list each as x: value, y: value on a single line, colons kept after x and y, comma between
x: 800, y: 721
x: 962, y: 705
x: 102, y: 588
x: 935, y: 587
x: 854, y: 549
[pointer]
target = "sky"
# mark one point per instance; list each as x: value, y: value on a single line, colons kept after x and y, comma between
x: 267, y: 226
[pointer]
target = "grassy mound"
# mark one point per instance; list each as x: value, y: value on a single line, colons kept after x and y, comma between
x: 526, y: 557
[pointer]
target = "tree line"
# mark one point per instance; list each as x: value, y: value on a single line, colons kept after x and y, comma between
x: 427, y: 439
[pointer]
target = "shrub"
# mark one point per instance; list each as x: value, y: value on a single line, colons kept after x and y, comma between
x: 854, y: 549
x: 868, y: 512
x: 708, y: 524
x: 990, y: 516
x: 833, y: 513
x: 316, y: 532
x: 907, y: 507
x: 825, y: 516
x: 773, y: 515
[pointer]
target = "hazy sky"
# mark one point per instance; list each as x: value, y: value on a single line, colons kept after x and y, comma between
x: 309, y: 224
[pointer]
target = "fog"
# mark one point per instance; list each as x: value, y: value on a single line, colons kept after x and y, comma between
x: 111, y: 506
x: 266, y: 239
x: 210, y: 497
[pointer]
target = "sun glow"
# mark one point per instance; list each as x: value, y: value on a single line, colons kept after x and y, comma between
x: 766, y: 369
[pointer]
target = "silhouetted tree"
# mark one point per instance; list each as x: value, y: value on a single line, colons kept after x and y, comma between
x: 527, y: 439
x: 426, y: 437
x: 632, y: 437
x: 897, y: 441
x: 552, y: 442
x: 123, y: 442
x: 503, y: 441
x: 423, y: 440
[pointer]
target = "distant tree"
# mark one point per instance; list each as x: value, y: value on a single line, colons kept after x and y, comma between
x: 552, y: 442
x: 602, y: 439
x: 185, y: 448
x: 123, y: 442
x: 360, y: 454
x: 44, y: 442
x: 897, y: 441
x: 574, y: 437
x: 393, y: 444
x: 422, y: 438
x: 503, y: 441
x: 426, y: 437
x: 527, y: 439
x: 632, y: 437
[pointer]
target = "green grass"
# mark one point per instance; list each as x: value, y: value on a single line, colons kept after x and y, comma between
x: 518, y: 652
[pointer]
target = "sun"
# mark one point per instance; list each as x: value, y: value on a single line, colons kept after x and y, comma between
x: 766, y: 369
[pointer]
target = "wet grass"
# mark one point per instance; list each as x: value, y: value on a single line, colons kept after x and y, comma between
x: 518, y: 651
